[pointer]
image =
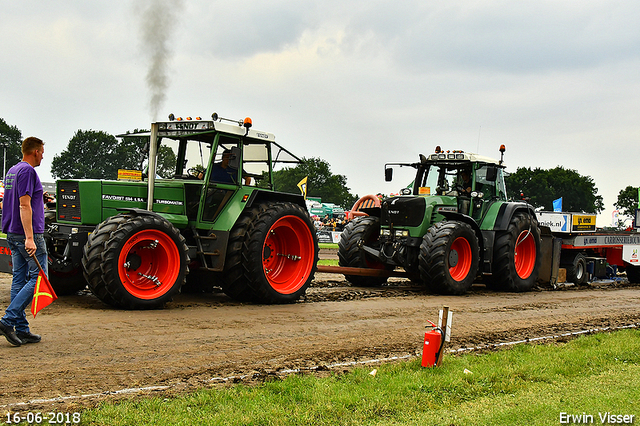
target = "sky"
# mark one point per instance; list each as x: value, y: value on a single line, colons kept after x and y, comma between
x: 357, y: 83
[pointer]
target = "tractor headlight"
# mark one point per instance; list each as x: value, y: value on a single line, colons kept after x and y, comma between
x: 402, y: 233
x: 385, y: 232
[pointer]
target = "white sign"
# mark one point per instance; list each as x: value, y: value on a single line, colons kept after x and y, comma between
x: 557, y: 222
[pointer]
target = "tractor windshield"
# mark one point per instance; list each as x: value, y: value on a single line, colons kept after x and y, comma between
x: 194, y: 157
x: 444, y: 179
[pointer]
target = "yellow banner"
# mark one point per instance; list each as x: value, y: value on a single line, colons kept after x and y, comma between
x: 303, y: 187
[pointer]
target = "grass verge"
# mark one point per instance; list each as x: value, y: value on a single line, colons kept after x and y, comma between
x: 527, y: 384
x: 328, y: 246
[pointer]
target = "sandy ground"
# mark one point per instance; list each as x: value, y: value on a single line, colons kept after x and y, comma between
x: 89, y: 348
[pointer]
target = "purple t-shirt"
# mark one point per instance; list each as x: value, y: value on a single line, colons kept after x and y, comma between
x: 21, y: 180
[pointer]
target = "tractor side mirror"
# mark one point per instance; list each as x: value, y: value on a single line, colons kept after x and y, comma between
x: 234, y: 161
x: 388, y: 174
x: 492, y: 174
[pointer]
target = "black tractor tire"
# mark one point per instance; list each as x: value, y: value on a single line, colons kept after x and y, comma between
x: 576, y: 266
x: 92, y: 257
x: 449, y: 257
x: 144, y: 262
x: 363, y: 230
x: 516, y: 255
x: 633, y: 273
x: 272, y: 255
x: 233, y: 279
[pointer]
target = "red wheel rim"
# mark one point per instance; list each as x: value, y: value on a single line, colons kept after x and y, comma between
x: 149, y: 264
x: 461, y: 250
x: 288, y: 254
x: 525, y: 255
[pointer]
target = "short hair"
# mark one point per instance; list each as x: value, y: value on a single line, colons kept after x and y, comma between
x: 31, y: 144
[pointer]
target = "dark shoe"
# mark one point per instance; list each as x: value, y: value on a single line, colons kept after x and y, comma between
x: 10, y: 334
x: 28, y: 337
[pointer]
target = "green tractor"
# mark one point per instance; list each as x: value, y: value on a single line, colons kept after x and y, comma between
x: 453, y: 226
x: 215, y: 221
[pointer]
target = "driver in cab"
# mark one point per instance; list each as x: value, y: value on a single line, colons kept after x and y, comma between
x: 222, y: 172
x: 465, y: 181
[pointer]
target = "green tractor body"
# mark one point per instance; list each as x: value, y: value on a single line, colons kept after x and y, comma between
x: 215, y: 220
x: 453, y: 225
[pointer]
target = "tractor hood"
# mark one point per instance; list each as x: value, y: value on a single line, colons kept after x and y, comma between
x: 415, y: 212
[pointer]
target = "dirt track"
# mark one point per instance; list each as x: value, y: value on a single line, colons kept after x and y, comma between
x: 89, y: 348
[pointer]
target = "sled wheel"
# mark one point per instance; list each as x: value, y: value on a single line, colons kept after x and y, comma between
x: 144, y: 262
x: 516, y: 256
x: 576, y: 267
x: 281, y: 252
x: 361, y: 231
x: 449, y: 257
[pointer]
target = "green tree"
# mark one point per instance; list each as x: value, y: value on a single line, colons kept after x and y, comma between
x: 627, y: 201
x: 578, y: 192
x: 89, y: 155
x: 11, y: 141
x: 320, y: 182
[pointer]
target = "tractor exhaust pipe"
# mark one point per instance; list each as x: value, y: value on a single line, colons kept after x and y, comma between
x: 151, y: 170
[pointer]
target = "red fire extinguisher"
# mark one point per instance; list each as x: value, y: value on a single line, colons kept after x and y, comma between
x: 433, y: 343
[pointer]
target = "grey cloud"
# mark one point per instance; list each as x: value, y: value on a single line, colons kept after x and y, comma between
x: 518, y: 37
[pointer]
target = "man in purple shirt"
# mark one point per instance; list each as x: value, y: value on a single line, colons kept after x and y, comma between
x: 23, y: 222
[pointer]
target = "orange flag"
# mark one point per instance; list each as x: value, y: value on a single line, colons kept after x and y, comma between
x: 43, y: 295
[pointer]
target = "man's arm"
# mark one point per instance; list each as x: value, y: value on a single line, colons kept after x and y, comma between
x: 25, y: 217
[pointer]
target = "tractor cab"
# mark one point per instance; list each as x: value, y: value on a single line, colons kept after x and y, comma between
x: 468, y: 181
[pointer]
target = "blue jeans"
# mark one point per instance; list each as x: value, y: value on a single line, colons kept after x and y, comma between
x: 25, y: 275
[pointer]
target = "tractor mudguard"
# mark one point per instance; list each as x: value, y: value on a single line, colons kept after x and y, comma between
x: 259, y: 196
x: 459, y: 217
x: 507, y: 210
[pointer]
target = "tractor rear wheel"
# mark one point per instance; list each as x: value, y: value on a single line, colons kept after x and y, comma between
x: 281, y: 253
x: 516, y: 255
x: 144, y: 262
x: 233, y: 279
x: 449, y: 257
x: 272, y: 254
x: 361, y: 231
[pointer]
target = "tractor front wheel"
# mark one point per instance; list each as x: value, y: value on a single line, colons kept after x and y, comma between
x: 516, y: 255
x: 144, y: 262
x: 361, y: 231
x: 449, y: 257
